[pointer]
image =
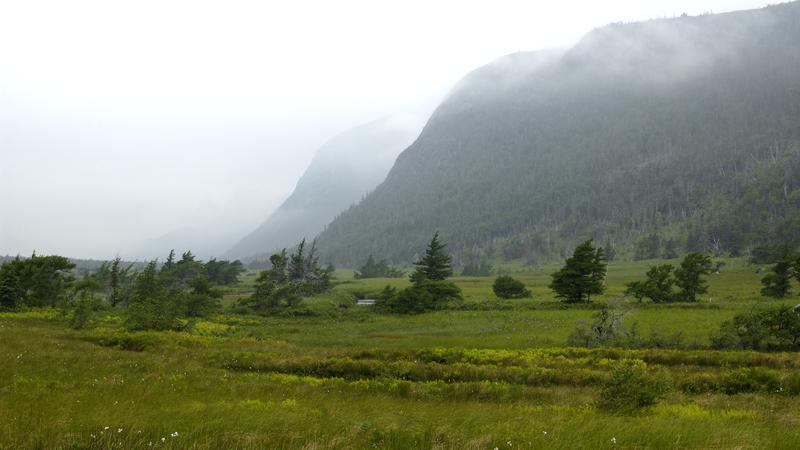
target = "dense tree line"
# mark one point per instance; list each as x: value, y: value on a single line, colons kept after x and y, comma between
x: 380, y: 269
x: 477, y: 269
x: 153, y: 298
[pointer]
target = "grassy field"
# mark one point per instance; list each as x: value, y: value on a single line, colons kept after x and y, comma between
x: 496, y: 374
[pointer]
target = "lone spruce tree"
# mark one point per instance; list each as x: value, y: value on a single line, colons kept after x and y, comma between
x: 435, y: 265
x: 778, y: 283
x: 582, y: 275
x: 430, y: 290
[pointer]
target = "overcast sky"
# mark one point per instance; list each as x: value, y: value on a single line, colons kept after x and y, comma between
x: 121, y: 122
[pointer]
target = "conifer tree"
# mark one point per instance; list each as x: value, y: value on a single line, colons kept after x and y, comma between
x: 152, y: 307
x: 113, y: 292
x: 9, y: 289
x: 430, y: 289
x: 435, y: 265
x: 778, y: 283
x: 657, y: 286
x: 170, y: 262
x: 582, y: 275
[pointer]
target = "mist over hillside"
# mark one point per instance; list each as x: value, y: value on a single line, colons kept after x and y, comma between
x: 687, y: 128
x: 342, y: 172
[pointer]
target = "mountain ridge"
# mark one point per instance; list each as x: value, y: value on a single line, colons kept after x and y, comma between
x: 653, y: 127
x: 342, y: 171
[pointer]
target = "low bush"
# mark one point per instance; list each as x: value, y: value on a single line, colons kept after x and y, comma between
x: 424, y: 295
x: 507, y: 287
x: 135, y: 342
x: 750, y: 379
x: 631, y: 388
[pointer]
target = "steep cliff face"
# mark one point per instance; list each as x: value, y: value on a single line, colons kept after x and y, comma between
x: 686, y: 127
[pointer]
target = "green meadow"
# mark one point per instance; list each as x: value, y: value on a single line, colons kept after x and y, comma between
x: 491, y: 374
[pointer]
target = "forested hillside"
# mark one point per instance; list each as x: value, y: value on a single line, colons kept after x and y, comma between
x: 686, y: 129
x: 343, y: 170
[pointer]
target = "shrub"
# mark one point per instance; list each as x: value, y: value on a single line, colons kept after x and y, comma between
x: 424, y: 295
x: 774, y: 329
x: 605, y: 330
x: 506, y: 287
x: 84, y: 306
x: 631, y: 388
x: 135, y: 342
x: 750, y: 379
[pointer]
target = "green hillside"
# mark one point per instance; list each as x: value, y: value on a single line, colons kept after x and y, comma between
x: 688, y: 128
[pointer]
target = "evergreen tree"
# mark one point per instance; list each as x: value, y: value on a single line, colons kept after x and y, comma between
x: 778, y: 283
x: 178, y: 276
x: 380, y: 269
x: 43, y: 280
x: 297, y: 264
x: 10, y: 291
x: 689, y: 276
x: 152, y: 307
x: 660, y: 283
x: 170, y: 262
x: 113, y: 293
x: 657, y: 286
x: 435, y: 265
x: 203, y: 299
x: 582, y: 275
x: 223, y: 272
x: 430, y: 289
x: 273, y: 288
x: 611, y: 252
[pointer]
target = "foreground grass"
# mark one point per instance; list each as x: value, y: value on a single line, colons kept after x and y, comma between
x: 348, y: 378
x: 61, y: 389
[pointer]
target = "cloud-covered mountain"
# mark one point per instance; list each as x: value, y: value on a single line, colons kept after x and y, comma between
x: 687, y: 128
x: 341, y: 173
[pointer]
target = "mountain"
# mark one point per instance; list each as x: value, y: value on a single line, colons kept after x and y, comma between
x: 341, y: 173
x: 686, y: 129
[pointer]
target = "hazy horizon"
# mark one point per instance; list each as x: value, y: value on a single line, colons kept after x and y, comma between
x: 122, y: 124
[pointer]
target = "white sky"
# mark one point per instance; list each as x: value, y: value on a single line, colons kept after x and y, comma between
x: 123, y: 121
